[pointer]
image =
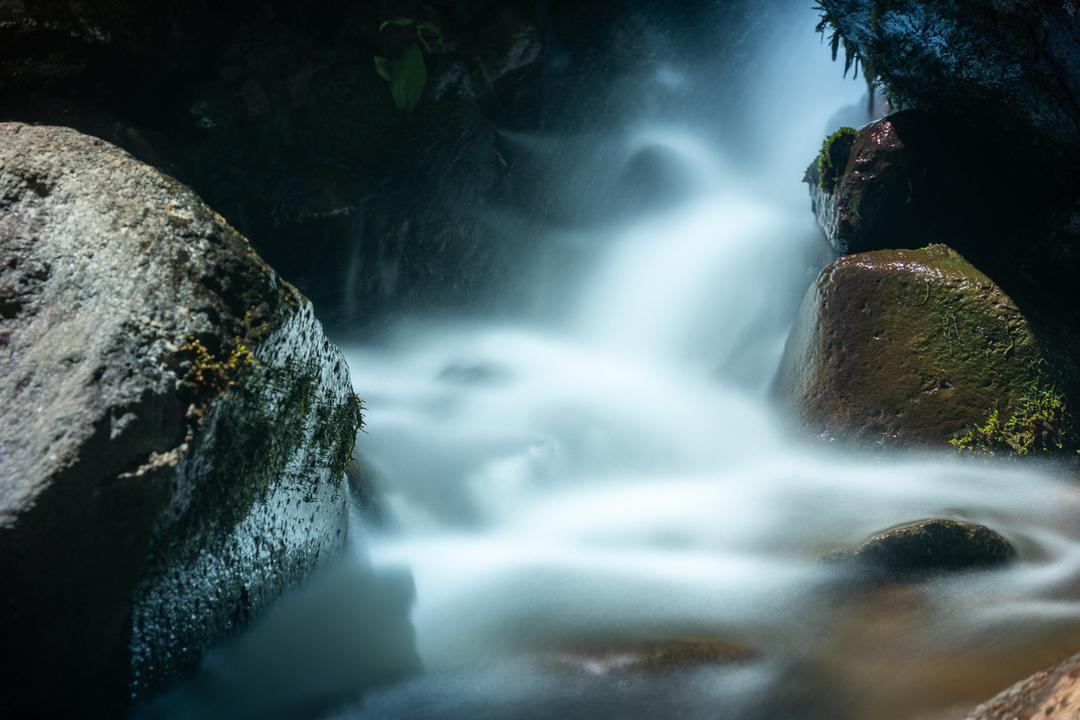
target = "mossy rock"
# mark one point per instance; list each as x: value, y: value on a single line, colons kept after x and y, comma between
x: 833, y: 158
x: 917, y: 348
x: 897, y: 183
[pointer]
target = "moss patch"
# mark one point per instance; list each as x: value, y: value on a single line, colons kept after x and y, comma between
x: 209, y: 376
x: 1040, y: 424
x: 833, y: 157
x: 335, y: 435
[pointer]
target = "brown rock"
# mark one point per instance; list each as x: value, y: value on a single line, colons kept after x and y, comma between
x: 1053, y: 694
x: 916, y: 347
x: 892, y: 185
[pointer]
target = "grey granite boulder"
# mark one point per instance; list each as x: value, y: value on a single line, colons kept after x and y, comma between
x: 174, y: 428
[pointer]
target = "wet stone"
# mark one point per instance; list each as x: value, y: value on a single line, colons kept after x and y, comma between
x: 927, y: 547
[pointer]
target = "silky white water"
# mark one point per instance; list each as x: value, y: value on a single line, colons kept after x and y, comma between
x: 617, y: 474
x: 557, y: 488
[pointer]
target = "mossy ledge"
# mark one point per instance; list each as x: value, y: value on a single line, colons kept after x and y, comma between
x: 835, y: 150
x: 183, y: 424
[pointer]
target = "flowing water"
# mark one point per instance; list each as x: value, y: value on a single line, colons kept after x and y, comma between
x: 596, y: 509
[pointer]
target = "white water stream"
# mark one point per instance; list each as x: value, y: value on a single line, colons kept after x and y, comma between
x: 557, y: 493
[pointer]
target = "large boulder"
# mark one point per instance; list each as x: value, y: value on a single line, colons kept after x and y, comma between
x: 918, y: 347
x: 1053, y: 694
x: 174, y: 428
x: 1011, y: 65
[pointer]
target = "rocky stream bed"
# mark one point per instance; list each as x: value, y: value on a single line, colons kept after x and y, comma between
x: 652, y: 430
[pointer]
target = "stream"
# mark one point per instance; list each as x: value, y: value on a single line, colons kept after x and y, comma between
x: 591, y: 505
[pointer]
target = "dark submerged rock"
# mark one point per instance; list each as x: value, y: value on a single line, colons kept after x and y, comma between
x: 931, y: 546
x: 174, y: 427
x: 653, y: 657
x: 917, y: 348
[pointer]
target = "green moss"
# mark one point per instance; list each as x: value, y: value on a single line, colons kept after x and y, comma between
x: 973, y: 331
x: 336, y: 433
x: 279, y: 426
x: 833, y: 157
x: 947, y: 260
x: 1040, y: 424
x: 282, y: 433
x: 854, y: 56
x: 917, y: 346
x: 209, y: 376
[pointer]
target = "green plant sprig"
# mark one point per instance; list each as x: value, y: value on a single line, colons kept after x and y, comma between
x: 407, y: 72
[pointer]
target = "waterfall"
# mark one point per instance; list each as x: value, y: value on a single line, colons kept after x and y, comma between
x: 610, y: 473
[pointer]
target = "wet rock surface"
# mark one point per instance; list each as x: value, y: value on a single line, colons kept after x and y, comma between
x: 896, y: 183
x: 1053, y: 694
x: 927, y: 547
x: 653, y: 657
x: 174, y: 429
x: 915, y: 347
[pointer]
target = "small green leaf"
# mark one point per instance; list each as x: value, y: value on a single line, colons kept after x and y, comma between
x: 398, y: 22
x: 408, y: 77
x: 382, y: 66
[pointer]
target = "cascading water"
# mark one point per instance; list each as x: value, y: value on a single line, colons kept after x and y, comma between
x: 609, y: 474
